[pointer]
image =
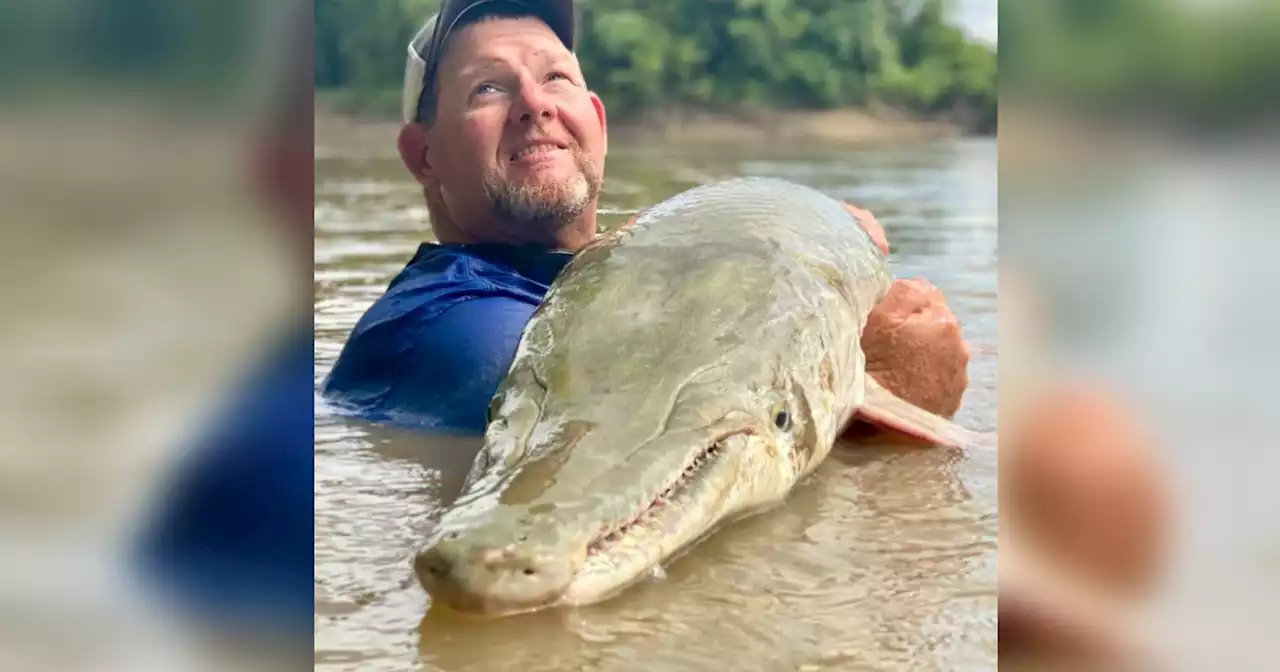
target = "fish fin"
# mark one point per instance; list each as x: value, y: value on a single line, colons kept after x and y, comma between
x: 886, y: 410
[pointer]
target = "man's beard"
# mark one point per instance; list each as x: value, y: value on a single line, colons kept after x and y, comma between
x: 544, y: 207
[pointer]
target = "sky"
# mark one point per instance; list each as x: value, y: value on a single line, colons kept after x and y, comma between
x: 978, y: 17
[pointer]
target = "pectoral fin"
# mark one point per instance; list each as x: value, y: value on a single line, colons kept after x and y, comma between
x: 886, y: 410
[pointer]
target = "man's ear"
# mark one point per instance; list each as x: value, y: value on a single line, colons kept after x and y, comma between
x: 412, y: 144
x: 604, y: 122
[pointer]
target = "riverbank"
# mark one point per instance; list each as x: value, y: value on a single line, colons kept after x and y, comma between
x: 847, y: 126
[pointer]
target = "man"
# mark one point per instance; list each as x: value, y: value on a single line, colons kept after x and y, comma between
x: 509, y: 144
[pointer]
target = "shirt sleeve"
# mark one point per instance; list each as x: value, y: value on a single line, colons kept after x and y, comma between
x: 459, y: 361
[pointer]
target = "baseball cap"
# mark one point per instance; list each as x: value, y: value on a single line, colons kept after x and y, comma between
x: 426, y: 48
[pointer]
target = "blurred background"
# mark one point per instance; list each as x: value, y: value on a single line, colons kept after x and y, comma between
x: 1137, y: 154
x: 155, y: 350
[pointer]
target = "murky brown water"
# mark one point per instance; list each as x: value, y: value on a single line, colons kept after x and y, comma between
x: 885, y: 559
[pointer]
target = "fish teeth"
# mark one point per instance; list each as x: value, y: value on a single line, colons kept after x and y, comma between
x: 662, y: 499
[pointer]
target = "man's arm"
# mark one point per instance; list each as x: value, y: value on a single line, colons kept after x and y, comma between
x: 459, y: 361
x: 914, y: 347
x: 912, y: 339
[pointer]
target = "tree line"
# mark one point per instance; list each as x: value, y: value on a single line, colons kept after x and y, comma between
x: 1197, y: 64
x: 725, y: 55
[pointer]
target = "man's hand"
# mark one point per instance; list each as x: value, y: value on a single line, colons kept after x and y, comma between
x: 914, y: 347
x: 870, y: 225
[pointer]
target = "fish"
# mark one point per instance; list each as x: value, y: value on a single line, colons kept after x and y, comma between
x: 682, y: 372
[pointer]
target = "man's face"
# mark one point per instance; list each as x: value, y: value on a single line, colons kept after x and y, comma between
x: 516, y: 132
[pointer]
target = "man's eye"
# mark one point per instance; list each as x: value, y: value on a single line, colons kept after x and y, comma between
x: 486, y: 88
x: 559, y: 75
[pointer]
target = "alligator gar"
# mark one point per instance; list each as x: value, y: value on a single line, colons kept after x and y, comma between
x: 682, y: 372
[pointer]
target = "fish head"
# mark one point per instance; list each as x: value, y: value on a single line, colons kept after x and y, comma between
x: 576, y: 499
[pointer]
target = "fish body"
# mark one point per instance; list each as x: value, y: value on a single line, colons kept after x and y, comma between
x: 682, y: 372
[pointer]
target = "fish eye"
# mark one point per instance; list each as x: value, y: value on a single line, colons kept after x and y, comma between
x: 782, y: 419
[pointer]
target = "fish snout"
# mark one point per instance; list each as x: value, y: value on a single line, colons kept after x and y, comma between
x: 492, y: 580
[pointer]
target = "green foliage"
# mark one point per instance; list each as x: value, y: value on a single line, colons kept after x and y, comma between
x: 642, y: 55
x: 1198, y: 62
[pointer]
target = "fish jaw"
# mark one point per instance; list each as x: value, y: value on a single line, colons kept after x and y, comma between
x: 744, y: 473
x: 477, y: 574
x: 585, y: 542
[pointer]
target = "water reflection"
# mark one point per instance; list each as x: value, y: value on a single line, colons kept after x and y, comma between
x: 885, y: 558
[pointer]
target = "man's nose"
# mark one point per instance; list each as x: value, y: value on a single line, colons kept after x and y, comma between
x: 532, y: 104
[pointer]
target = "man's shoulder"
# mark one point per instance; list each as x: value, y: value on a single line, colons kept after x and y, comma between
x: 443, y: 275
x: 467, y: 283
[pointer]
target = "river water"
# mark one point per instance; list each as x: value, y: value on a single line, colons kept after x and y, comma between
x: 884, y: 559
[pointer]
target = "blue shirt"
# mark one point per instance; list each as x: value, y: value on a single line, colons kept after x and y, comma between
x: 232, y: 540
x: 431, y: 351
